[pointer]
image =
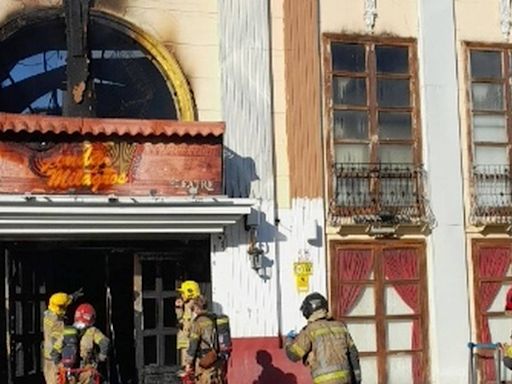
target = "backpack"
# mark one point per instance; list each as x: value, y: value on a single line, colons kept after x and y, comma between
x: 223, y: 344
x: 223, y: 330
x: 70, y: 348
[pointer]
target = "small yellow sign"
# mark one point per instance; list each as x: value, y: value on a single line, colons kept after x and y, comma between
x: 302, y: 282
x: 303, y: 268
x: 302, y: 271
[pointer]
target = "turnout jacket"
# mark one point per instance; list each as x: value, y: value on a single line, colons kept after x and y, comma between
x: 53, y: 327
x: 88, y: 338
x: 326, y: 346
x: 202, y: 337
x: 91, y: 337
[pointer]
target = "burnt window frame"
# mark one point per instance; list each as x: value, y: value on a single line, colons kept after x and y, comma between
x: 380, y: 318
x: 370, y: 42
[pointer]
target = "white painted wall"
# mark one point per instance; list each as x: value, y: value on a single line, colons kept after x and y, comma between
x: 301, y: 228
x: 244, y: 33
x: 446, y: 254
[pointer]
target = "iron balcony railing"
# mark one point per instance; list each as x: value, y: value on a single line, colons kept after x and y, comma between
x: 389, y: 193
x: 491, y: 195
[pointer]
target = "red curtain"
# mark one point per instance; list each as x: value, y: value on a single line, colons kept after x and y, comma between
x: 350, y: 265
x: 492, y: 262
x: 401, y: 264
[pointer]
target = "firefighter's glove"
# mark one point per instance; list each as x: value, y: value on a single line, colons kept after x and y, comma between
x: 102, y: 358
x: 77, y: 294
x: 291, y: 335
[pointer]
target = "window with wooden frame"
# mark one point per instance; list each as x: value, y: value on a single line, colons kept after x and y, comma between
x: 492, y: 265
x: 380, y: 291
x: 372, y: 104
x: 490, y: 113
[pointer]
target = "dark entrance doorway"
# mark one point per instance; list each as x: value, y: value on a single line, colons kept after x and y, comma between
x: 127, y: 312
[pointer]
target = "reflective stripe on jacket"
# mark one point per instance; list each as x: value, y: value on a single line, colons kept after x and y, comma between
x: 328, y: 349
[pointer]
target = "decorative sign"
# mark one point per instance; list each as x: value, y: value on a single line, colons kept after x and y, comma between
x: 302, y: 271
x: 89, y: 165
x: 170, y: 167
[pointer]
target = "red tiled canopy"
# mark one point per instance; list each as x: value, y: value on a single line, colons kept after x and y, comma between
x: 97, y: 126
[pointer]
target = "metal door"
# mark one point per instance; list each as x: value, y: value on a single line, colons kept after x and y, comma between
x: 155, y: 320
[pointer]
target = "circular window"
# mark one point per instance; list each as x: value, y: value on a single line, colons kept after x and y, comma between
x: 127, y: 81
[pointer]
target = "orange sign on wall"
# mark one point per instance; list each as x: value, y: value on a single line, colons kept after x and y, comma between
x: 176, y: 167
x: 65, y: 155
x: 90, y: 166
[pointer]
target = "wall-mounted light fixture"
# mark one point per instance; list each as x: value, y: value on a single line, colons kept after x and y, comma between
x: 252, y: 223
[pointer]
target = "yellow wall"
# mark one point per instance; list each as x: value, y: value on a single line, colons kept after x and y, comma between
x: 347, y: 16
x: 478, y: 20
x: 279, y: 106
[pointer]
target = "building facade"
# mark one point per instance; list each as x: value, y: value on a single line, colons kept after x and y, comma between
x: 266, y: 149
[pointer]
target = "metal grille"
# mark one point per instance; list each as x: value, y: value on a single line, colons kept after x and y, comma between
x: 390, y: 193
x: 491, y: 195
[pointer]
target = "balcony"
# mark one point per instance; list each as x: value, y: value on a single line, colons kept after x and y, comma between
x: 380, y: 194
x: 491, y: 195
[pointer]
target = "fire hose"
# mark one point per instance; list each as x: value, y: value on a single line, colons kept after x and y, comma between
x: 187, y: 377
x: 71, y: 375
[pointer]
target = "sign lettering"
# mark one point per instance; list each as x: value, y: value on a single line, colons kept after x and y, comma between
x: 198, y: 185
x: 91, y: 168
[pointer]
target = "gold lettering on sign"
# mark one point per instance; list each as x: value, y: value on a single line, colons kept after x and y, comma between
x: 198, y: 185
x: 89, y: 167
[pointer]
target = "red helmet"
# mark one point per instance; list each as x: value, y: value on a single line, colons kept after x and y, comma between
x: 85, y: 314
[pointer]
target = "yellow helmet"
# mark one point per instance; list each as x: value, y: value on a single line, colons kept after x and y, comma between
x: 59, y: 302
x: 189, y: 290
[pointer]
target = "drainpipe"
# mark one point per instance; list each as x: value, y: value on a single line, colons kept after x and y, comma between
x: 279, y: 309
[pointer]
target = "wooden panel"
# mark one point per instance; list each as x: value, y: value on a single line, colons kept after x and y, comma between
x: 175, y: 167
x: 303, y: 116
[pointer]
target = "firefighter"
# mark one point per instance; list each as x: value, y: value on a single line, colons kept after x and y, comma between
x: 89, y: 347
x: 188, y: 290
x: 202, y: 354
x: 90, y: 338
x: 53, y: 327
x: 325, y: 345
